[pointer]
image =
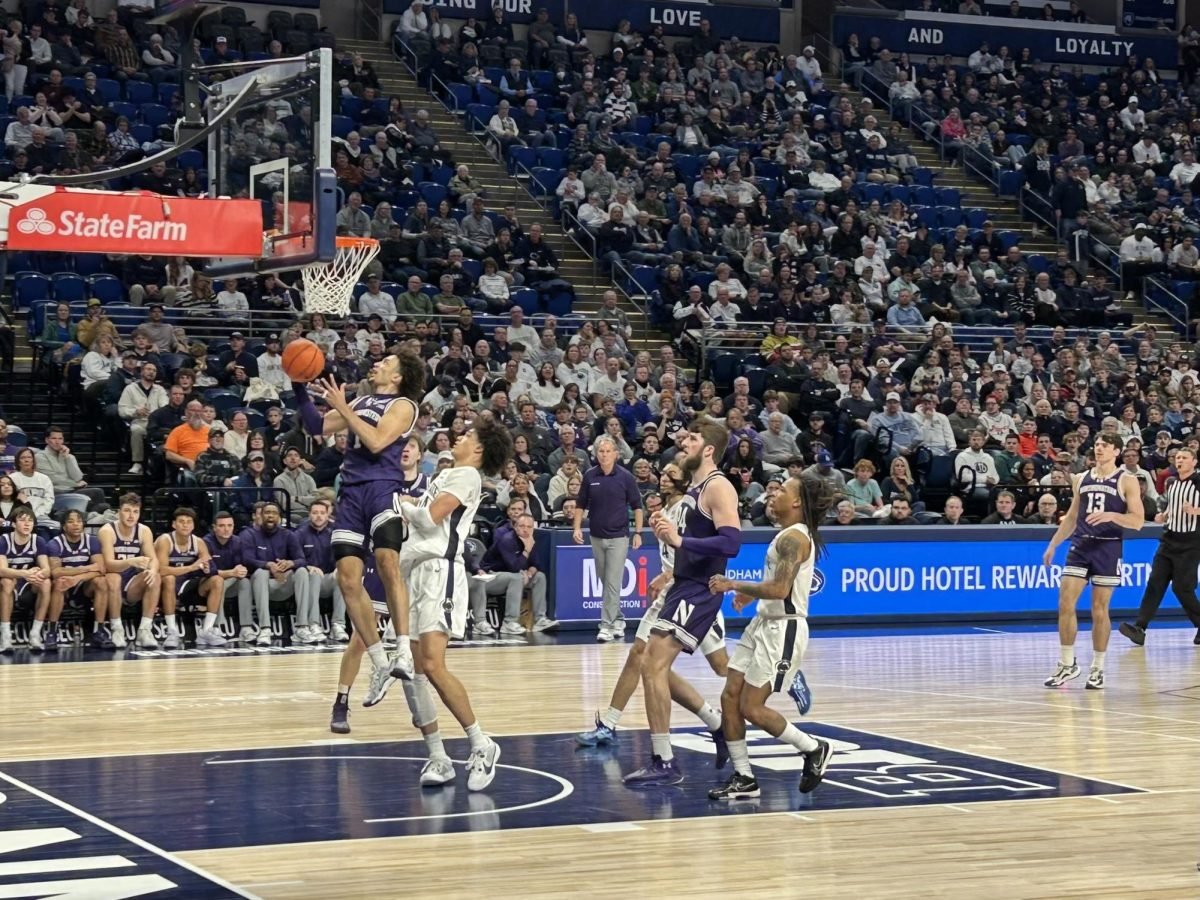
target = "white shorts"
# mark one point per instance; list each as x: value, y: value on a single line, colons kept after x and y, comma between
x: 437, y: 597
x: 770, y: 651
x: 713, y: 641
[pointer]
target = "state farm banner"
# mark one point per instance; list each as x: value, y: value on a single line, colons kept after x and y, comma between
x: 70, y: 220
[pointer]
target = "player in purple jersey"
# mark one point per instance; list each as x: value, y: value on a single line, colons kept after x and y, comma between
x: 132, y: 574
x: 188, y: 573
x: 379, y: 424
x: 76, y: 570
x: 24, y: 571
x: 413, y: 484
x: 1105, y: 501
x: 711, y: 535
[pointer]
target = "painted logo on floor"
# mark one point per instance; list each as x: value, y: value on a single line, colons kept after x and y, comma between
x: 350, y: 790
x: 48, y: 849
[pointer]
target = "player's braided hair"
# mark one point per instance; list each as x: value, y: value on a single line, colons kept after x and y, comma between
x: 815, y: 502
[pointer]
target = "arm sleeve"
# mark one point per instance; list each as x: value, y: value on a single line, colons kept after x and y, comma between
x: 314, y: 422
x: 726, y: 542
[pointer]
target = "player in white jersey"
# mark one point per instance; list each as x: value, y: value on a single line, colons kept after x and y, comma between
x: 431, y: 564
x: 673, y: 487
x: 772, y: 646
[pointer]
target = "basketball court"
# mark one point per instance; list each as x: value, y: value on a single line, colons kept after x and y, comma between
x: 213, y: 774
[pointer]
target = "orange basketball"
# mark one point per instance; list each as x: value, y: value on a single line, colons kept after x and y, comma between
x: 303, y: 360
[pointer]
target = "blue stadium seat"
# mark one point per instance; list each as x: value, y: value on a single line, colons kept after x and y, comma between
x: 107, y: 289
x: 143, y: 133
x: 560, y: 303
x: 976, y: 217
x: 473, y: 268
x: 440, y: 174
x: 122, y: 108
x: 155, y: 115
x: 899, y: 192
x: 190, y: 159
x: 723, y: 367
x: 923, y: 176
x: 1010, y: 183
x: 949, y: 196
x: 926, y: 215
x: 89, y: 264
x: 552, y: 158
x: 340, y: 126
x: 924, y: 196
x: 645, y: 279
x: 869, y: 191
x: 433, y: 193
x: 543, y: 180
x: 351, y: 107
x: 463, y: 96
x: 521, y: 157
x: 757, y: 376
x: 28, y: 288
x: 949, y: 216
x: 139, y: 92
x: 166, y: 93
x: 527, y: 299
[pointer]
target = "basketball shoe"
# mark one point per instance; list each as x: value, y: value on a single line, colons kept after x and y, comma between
x: 381, y: 681
x: 658, y: 771
x: 402, y: 663
x: 437, y: 772
x: 339, y: 720
x: 173, y: 640
x: 738, y: 787
x: 481, y: 766
x: 1134, y: 632
x: 599, y: 736
x: 117, y: 638
x: 1095, y: 680
x: 210, y: 637
x: 815, y: 762
x: 145, y: 639
x: 1062, y: 675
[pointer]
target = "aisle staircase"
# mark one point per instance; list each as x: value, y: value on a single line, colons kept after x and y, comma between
x: 576, y: 266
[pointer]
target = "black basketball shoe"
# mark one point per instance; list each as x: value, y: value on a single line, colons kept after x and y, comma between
x: 738, y: 787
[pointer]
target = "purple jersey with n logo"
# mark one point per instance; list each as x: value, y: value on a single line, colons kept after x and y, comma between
x: 697, y: 523
x: 1101, y: 495
x: 360, y: 465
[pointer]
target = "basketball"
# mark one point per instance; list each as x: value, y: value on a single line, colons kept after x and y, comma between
x: 303, y: 360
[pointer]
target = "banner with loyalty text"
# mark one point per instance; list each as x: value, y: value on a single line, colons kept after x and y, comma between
x: 926, y: 34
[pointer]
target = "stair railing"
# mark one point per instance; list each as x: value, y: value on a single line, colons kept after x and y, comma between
x: 1157, y: 293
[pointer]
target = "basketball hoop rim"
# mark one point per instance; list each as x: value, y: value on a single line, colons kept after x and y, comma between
x: 348, y: 243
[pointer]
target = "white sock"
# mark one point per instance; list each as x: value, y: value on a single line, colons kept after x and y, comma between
x: 1098, y: 658
x: 36, y: 629
x: 378, y: 657
x: 402, y: 642
x: 97, y: 625
x: 145, y: 623
x: 710, y: 717
x: 171, y: 622
x: 344, y: 689
x: 478, y: 739
x: 612, y: 717
x: 116, y: 625
x: 1066, y: 656
x: 661, y: 744
x: 5, y: 628
x: 433, y: 743
x: 740, y: 756
x: 210, y: 619
x: 805, y: 743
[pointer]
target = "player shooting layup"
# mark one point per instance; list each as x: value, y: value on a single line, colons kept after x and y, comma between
x: 772, y: 647
x: 439, y: 524
x: 379, y: 424
x: 1111, y: 501
x: 710, y: 537
x: 673, y: 487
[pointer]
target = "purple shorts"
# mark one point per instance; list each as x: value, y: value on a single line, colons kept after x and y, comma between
x: 361, y: 510
x: 688, y: 612
x: 1097, y: 561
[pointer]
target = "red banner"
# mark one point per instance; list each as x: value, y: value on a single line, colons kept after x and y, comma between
x: 80, y: 221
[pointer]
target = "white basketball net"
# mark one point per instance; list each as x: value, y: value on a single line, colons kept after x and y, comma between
x: 328, y: 286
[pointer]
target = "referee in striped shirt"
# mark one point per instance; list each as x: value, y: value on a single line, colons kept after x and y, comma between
x: 1178, y: 554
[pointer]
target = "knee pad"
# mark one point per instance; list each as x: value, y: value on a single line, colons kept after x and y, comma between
x: 389, y: 535
x: 420, y: 701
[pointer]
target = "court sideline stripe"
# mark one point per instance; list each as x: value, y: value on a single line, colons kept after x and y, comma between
x: 125, y: 835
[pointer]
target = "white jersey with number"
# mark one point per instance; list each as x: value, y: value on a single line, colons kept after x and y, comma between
x: 675, y: 513
x: 795, y: 605
x: 445, y: 541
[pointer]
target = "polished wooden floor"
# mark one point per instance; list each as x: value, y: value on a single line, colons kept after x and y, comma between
x: 978, y: 692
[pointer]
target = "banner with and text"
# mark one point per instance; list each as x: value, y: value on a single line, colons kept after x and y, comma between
x: 924, y: 34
